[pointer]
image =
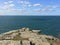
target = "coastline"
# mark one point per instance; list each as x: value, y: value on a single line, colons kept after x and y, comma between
x: 27, y: 36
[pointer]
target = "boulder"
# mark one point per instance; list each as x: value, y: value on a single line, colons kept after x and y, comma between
x: 36, y: 31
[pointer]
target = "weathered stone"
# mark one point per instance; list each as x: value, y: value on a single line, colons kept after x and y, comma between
x: 26, y: 42
x: 36, y: 31
x: 9, y: 42
x: 25, y: 36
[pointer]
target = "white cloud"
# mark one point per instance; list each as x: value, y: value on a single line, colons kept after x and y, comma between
x: 51, y: 10
x: 24, y: 2
x: 10, y: 1
x: 7, y: 5
x: 12, y: 12
x: 17, y: 11
x: 11, y: 5
x: 20, y: 1
x: 5, y: 2
x: 29, y: 5
x: 55, y: 6
x: 47, y: 9
x: 37, y: 4
x: 38, y: 11
x: 2, y: 12
x: 44, y: 10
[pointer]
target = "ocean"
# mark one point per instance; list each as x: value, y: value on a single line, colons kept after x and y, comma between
x: 49, y: 25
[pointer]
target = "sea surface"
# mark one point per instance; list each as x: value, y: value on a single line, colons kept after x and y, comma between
x: 47, y: 24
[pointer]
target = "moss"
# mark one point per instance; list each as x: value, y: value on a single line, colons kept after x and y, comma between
x: 18, y: 37
x: 25, y: 38
x: 51, y: 44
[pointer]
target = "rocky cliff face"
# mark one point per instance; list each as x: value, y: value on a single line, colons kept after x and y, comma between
x: 25, y: 36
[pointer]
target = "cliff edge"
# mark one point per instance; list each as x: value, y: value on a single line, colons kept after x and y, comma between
x: 25, y: 36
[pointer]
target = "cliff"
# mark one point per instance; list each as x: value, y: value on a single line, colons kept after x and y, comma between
x: 25, y: 36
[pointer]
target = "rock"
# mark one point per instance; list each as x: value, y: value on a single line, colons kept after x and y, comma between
x: 36, y: 31
x: 48, y: 37
x: 25, y: 36
x: 45, y: 43
x: 9, y: 42
x: 23, y: 29
x: 25, y: 42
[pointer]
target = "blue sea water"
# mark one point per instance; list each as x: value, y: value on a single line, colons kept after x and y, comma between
x: 48, y: 24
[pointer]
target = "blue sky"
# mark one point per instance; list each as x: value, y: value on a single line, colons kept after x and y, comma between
x: 30, y: 7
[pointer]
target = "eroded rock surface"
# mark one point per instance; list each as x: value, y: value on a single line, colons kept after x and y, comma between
x: 25, y: 36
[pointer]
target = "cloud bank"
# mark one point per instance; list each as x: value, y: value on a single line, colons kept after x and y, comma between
x: 25, y: 7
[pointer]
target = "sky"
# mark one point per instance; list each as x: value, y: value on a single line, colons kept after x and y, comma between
x: 30, y: 7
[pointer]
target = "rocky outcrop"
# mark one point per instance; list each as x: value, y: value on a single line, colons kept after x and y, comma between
x: 25, y: 36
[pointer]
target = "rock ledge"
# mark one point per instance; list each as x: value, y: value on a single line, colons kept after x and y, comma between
x: 25, y: 36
